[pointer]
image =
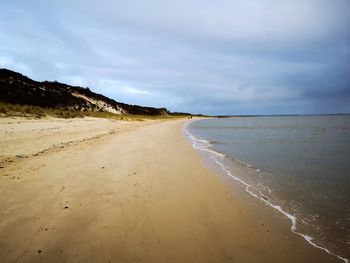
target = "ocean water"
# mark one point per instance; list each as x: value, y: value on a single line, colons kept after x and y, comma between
x: 299, y: 165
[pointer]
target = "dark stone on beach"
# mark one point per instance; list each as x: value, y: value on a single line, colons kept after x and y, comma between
x: 66, y: 207
x: 39, y: 251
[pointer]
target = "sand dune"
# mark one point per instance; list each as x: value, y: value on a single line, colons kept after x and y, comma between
x: 127, y: 192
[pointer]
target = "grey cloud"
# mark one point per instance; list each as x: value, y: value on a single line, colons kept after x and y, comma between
x: 214, y: 57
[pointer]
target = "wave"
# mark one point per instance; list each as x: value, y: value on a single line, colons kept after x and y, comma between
x: 199, y: 143
x: 204, y: 145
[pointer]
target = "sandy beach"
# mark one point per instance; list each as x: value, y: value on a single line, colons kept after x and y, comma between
x: 97, y: 190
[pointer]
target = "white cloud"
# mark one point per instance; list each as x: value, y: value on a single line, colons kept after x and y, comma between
x: 7, y: 62
x: 183, y: 54
x: 117, y: 87
x: 131, y: 90
x: 266, y: 21
x: 73, y: 80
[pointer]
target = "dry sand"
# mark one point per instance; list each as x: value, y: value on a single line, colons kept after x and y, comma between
x: 93, y: 190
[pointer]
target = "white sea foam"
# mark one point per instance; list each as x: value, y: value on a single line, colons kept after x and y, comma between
x: 203, y: 145
x: 199, y: 143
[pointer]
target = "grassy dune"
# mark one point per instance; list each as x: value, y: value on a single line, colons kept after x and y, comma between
x: 16, y: 110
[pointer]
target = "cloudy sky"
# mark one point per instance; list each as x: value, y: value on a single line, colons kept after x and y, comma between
x: 214, y: 57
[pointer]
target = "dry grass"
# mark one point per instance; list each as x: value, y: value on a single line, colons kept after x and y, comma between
x: 16, y: 110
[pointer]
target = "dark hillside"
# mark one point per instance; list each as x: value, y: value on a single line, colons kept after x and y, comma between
x: 18, y: 89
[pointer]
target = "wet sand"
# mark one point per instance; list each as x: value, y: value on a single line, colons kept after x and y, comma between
x: 92, y: 190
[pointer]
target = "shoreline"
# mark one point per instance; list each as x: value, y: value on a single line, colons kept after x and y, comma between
x: 204, y: 146
x: 139, y: 193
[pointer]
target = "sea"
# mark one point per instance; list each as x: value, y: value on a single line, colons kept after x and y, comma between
x: 298, y: 165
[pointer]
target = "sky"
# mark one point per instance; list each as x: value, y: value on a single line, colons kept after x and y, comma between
x: 198, y: 56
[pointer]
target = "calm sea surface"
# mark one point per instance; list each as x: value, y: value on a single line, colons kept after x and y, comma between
x: 299, y: 164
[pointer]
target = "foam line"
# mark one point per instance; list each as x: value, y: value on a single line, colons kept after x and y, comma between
x: 203, y: 145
